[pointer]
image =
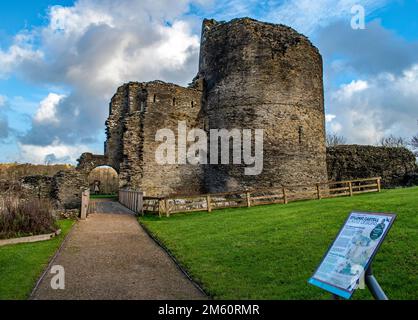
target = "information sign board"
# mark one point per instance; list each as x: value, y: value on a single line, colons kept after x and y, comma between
x: 352, y: 252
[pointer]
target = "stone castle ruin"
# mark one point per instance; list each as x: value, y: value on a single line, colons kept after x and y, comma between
x: 252, y: 75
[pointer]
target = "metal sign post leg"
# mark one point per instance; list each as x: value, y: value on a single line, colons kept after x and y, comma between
x: 374, y: 286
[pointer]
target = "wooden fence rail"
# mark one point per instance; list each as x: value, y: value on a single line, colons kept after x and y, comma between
x: 248, y: 198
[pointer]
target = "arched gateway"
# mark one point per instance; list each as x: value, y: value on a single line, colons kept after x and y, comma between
x: 88, y: 162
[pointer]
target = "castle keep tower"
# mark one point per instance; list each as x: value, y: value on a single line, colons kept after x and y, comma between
x: 265, y: 76
x: 252, y: 75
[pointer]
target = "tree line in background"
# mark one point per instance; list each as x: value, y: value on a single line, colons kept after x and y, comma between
x: 15, y: 171
x: 392, y: 141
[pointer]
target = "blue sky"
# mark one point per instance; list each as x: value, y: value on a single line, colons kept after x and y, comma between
x: 61, y: 61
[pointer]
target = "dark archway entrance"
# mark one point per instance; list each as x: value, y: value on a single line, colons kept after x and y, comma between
x: 103, y: 180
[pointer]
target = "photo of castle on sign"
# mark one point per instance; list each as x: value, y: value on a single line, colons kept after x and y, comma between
x: 199, y: 156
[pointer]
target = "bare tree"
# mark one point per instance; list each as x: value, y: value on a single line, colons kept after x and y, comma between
x: 414, y: 144
x: 393, y: 142
x: 335, y: 140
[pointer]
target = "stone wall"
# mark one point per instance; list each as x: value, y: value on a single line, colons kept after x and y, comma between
x: 132, y: 138
x: 396, y: 166
x: 114, y: 127
x: 63, y: 189
x: 265, y: 76
x: 66, y: 189
x: 36, y: 186
x: 166, y: 106
x: 146, y: 108
x: 88, y: 161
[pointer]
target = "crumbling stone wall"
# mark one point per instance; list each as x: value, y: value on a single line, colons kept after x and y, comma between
x: 396, y: 166
x: 88, y: 161
x: 167, y: 104
x: 265, y: 76
x: 63, y: 189
x: 29, y: 187
x: 66, y: 188
x: 114, y: 127
x: 132, y: 138
x: 149, y: 107
x: 36, y: 186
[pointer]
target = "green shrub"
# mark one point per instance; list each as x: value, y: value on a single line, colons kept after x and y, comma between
x: 25, y: 218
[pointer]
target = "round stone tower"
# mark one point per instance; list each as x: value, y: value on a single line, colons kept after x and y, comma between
x: 259, y: 75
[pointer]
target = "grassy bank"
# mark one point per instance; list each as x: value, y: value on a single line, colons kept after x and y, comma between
x: 269, y: 252
x: 21, y: 265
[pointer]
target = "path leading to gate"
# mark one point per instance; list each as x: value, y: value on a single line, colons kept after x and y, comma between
x: 109, y: 256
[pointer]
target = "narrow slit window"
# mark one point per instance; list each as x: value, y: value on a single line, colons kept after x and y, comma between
x: 300, y: 134
x: 174, y: 102
x: 155, y: 98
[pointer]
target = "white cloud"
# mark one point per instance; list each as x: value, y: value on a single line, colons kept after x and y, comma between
x: 91, y: 48
x: 39, y: 154
x: 176, y: 41
x: 332, y: 125
x: 386, y: 105
x: 330, y: 117
x: 21, y: 50
x: 2, y: 101
x: 348, y: 90
x: 69, y: 21
x: 306, y: 15
x: 336, y: 127
x: 47, y: 111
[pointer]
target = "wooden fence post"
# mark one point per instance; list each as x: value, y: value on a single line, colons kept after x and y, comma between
x: 248, y: 199
x: 284, y: 195
x: 133, y: 201
x: 167, y: 210
x: 208, y: 203
x: 85, y: 198
x: 318, y: 191
x: 350, y: 187
x: 141, y: 204
x: 379, y: 187
x: 160, y: 207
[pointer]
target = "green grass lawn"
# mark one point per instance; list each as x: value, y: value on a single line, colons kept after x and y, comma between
x: 22, y: 264
x: 269, y: 252
x: 103, y: 196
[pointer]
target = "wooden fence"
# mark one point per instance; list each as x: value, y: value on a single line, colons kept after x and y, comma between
x: 248, y: 198
x: 131, y: 199
x: 85, y: 204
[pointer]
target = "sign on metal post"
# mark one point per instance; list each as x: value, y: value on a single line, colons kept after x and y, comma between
x: 350, y: 256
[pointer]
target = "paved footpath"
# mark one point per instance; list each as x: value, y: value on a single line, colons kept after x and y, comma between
x: 109, y: 256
